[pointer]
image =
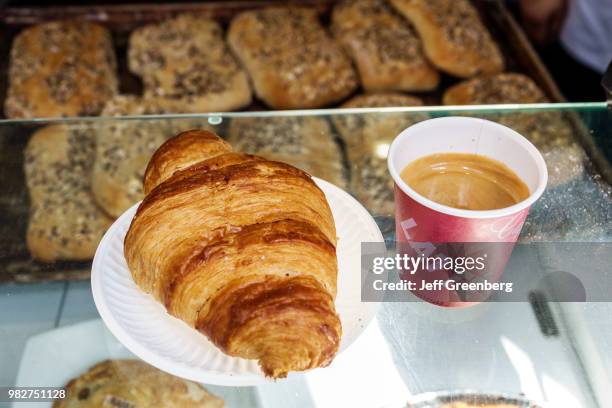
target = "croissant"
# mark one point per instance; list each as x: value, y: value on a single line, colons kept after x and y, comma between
x: 241, y: 248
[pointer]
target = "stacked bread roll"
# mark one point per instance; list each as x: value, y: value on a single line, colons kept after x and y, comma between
x: 242, y: 249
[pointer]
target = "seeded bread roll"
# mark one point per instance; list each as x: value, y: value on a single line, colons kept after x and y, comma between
x: 384, y: 47
x: 454, y: 38
x: 304, y: 142
x: 367, y: 139
x: 60, y: 68
x: 494, y: 89
x: 186, y: 66
x: 65, y: 223
x: 549, y: 131
x: 292, y: 61
x: 124, y: 148
x: 133, y: 384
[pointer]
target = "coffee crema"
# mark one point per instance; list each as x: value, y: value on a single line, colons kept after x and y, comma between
x: 465, y: 181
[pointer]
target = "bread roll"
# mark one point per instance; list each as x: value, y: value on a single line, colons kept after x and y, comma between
x: 305, y: 142
x: 292, y: 61
x: 131, y: 384
x: 240, y: 248
x: 60, y: 68
x: 494, y: 89
x: 124, y: 147
x: 384, y: 47
x: 65, y: 223
x: 186, y: 66
x: 454, y: 38
x: 367, y: 139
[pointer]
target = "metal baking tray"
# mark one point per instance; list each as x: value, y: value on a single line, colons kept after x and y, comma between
x: 15, y: 262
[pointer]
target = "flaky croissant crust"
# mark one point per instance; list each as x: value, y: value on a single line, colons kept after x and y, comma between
x: 242, y: 249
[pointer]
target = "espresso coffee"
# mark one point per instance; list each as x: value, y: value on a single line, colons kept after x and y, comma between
x: 466, y: 181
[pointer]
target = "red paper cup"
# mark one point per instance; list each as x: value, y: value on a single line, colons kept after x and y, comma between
x: 421, y: 222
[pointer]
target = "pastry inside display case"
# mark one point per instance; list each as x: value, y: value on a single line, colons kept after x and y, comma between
x: 65, y: 222
x: 305, y: 142
x: 132, y: 383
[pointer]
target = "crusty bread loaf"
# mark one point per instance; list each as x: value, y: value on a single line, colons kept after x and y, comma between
x: 241, y: 248
x: 384, y: 47
x: 305, y: 142
x: 186, y: 66
x: 132, y: 384
x: 454, y: 38
x: 60, y: 68
x: 367, y: 139
x: 494, y: 89
x: 65, y: 223
x: 293, y: 63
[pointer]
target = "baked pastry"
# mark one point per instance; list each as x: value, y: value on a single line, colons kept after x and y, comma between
x: 454, y: 38
x: 124, y: 148
x: 186, y: 66
x: 384, y: 47
x: 60, y: 68
x: 292, y: 61
x: 367, y: 139
x: 494, y: 89
x: 549, y: 131
x: 179, y: 153
x: 65, y: 223
x: 240, y: 248
x: 131, y: 384
x: 303, y: 141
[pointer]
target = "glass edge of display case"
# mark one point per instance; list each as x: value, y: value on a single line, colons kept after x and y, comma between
x: 441, y: 109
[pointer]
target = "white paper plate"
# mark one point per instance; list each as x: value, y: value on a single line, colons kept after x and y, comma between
x: 146, y: 329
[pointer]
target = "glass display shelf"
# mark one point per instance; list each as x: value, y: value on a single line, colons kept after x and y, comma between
x: 559, y: 353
